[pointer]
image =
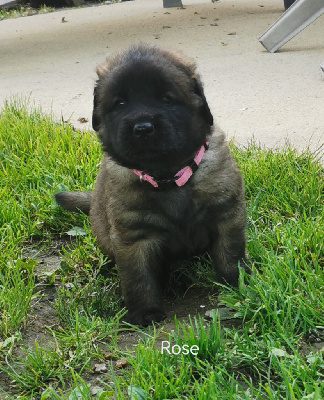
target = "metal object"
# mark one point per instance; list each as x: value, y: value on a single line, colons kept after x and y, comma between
x: 6, y: 4
x: 322, y: 66
x: 172, y: 3
x: 299, y: 15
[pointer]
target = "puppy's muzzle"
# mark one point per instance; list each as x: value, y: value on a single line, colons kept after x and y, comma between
x: 143, y: 129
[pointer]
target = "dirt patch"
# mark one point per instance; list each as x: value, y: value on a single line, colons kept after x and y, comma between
x: 43, y: 315
x: 193, y: 302
x: 196, y: 301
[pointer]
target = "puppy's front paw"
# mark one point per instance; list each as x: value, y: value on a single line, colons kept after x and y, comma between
x: 145, y: 317
x: 230, y: 275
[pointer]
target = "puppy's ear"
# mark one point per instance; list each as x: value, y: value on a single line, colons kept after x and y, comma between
x: 101, y: 70
x: 205, y: 108
x: 95, y: 113
x: 188, y: 66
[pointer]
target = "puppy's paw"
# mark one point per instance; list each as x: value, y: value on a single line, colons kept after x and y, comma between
x: 230, y: 276
x: 145, y: 317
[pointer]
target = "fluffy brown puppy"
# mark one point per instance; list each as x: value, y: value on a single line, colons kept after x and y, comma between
x: 161, y: 194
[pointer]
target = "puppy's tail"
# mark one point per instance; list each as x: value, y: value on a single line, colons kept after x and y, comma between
x: 74, y: 201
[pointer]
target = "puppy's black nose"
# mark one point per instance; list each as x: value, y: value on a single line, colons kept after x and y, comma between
x: 143, y: 129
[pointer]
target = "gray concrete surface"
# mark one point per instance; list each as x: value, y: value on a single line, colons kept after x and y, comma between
x: 252, y: 93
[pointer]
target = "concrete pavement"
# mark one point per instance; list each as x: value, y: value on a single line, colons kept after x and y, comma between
x: 252, y: 93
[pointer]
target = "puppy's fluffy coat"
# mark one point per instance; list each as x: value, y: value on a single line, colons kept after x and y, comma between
x: 151, y: 115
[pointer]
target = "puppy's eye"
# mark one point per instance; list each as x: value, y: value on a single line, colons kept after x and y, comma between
x: 119, y: 102
x: 167, y: 99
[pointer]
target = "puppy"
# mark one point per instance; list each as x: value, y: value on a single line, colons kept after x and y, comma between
x: 168, y: 187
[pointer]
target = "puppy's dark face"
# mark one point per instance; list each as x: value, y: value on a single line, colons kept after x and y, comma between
x: 150, y: 110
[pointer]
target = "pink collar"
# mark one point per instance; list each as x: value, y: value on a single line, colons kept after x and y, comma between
x: 182, y: 176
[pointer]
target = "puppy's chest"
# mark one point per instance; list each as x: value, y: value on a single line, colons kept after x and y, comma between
x: 186, y: 223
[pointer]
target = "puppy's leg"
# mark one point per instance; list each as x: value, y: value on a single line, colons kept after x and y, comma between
x: 140, y: 268
x: 229, y: 248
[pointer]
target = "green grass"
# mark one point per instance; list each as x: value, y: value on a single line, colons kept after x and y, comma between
x: 270, y: 356
x: 22, y: 11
